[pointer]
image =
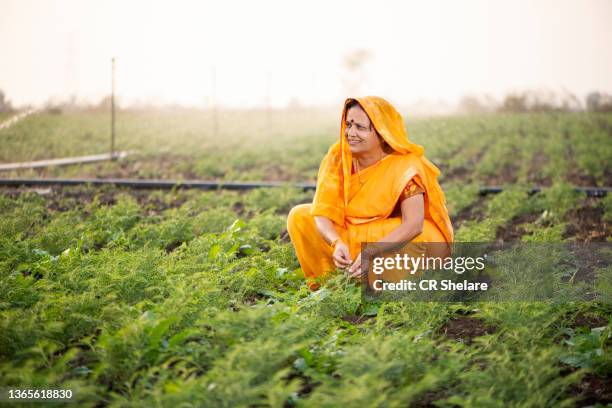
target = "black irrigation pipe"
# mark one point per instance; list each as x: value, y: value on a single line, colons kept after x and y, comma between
x: 151, y: 183
x: 590, y: 191
x: 219, y: 185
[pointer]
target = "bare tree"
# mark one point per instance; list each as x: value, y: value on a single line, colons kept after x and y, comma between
x: 477, y: 104
x: 5, y: 104
x: 599, y: 102
x: 354, y: 64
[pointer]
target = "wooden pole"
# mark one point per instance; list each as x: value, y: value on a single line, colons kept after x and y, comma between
x: 268, y: 100
x: 112, y: 149
x: 215, y: 121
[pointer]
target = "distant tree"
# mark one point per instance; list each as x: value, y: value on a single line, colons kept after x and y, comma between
x: 354, y: 63
x: 104, y: 104
x: 514, y: 103
x: 538, y: 105
x: 476, y: 104
x: 540, y: 101
x: 599, y: 102
x: 470, y: 104
x: 5, y: 104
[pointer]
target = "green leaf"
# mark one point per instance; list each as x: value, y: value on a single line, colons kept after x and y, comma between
x: 214, y: 252
x: 156, y: 333
x: 181, y: 336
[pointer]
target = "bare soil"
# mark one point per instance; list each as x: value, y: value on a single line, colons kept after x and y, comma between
x: 465, y: 329
x: 535, y: 176
x: 64, y: 199
x: 592, y: 390
x: 474, y: 211
x: 579, y: 179
x: 515, y: 229
x: 428, y: 399
x: 357, y: 320
x: 456, y: 174
x: 506, y: 175
x: 586, y: 223
x: 588, y: 320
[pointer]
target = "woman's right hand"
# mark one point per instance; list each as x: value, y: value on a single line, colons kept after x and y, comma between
x: 341, y: 255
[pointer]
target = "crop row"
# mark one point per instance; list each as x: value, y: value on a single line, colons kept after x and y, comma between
x: 489, y: 149
x: 197, y: 299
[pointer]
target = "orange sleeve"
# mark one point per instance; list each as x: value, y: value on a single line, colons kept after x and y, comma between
x: 412, y: 188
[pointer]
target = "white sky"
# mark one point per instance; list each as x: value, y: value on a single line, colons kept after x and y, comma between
x: 295, y: 49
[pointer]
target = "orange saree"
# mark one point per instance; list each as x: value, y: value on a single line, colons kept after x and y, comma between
x: 361, y: 205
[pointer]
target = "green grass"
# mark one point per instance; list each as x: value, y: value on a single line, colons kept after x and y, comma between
x: 288, y: 145
x: 189, y: 298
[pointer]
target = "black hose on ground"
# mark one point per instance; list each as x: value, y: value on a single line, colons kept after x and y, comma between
x: 224, y: 185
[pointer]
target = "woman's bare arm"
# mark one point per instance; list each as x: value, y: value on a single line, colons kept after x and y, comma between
x: 325, y: 226
x: 413, y: 217
x: 341, y: 254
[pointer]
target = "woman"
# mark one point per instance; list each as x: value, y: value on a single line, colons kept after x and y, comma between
x: 373, y: 186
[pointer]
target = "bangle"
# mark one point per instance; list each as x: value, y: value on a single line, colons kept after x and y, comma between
x: 334, y: 242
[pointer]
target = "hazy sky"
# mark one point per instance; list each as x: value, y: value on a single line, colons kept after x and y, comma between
x: 279, y: 50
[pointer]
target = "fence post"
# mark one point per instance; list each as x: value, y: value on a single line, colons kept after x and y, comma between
x: 112, y: 147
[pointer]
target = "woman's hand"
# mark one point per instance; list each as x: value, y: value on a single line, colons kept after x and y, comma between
x: 341, y: 255
x: 355, y: 269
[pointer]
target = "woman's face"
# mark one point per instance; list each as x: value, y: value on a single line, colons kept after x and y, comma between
x: 360, y: 133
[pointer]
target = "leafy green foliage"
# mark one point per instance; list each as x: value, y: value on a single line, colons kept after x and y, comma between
x: 188, y: 298
x: 589, y: 348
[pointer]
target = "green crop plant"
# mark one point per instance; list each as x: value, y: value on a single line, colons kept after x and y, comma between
x: 191, y: 298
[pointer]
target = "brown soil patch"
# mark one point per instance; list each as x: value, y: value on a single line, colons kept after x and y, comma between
x: 577, y: 178
x: 65, y: 199
x: 468, y: 174
x: 590, y: 321
x: 506, y: 175
x: 592, y: 390
x: 307, y: 386
x: 608, y: 177
x: 238, y: 208
x: 474, y: 211
x: 463, y: 174
x: 428, y: 399
x: 534, y: 175
x: 586, y: 223
x: 356, y: 320
x: 465, y: 329
x: 589, y: 260
x: 456, y: 174
x: 172, y: 246
x: 515, y: 230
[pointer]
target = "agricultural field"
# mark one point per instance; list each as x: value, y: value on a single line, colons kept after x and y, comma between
x: 192, y: 298
x: 5, y: 115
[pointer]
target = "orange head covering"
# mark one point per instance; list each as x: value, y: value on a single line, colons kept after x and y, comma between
x: 335, y: 171
x: 390, y: 126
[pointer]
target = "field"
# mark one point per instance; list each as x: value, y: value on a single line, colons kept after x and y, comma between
x: 190, y: 298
